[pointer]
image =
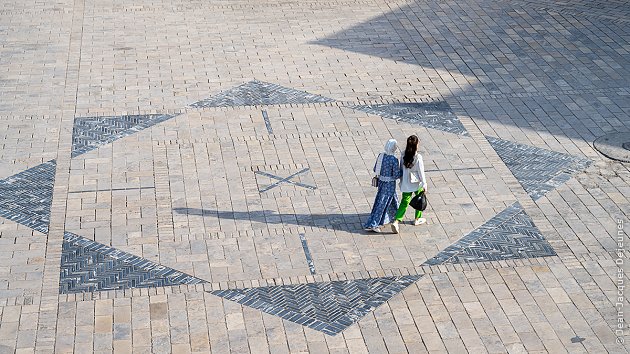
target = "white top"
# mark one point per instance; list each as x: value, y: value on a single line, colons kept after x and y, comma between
x: 413, y: 178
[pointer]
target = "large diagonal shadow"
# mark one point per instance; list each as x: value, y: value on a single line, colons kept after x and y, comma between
x: 517, y: 50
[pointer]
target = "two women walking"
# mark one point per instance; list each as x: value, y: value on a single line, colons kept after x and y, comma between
x: 410, y: 170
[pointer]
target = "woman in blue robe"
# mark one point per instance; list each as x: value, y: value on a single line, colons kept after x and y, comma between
x: 388, y: 170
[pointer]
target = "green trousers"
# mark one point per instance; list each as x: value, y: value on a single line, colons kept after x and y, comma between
x: 404, y: 203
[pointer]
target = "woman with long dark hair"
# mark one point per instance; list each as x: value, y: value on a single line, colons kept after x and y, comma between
x: 412, y: 181
x: 387, y: 170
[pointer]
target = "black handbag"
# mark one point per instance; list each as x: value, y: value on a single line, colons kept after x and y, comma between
x: 375, y: 181
x: 377, y: 169
x: 419, y: 201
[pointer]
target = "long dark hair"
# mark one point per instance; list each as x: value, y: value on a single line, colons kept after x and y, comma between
x: 410, y: 151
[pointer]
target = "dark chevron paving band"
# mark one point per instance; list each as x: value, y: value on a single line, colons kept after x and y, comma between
x: 88, y: 266
x: 25, y: 198
x: 518, y: 238
x: 511, y: 234
x: 470, y: 238
x: 434, y: 115
x: 538, y: 170
x: 328, y: 307
x: 258, y: 93
x: 91, y: 132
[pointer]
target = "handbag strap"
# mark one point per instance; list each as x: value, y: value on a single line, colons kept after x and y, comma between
x: 379, y: 164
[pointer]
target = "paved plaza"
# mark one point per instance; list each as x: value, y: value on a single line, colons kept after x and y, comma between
x: 194, y: 176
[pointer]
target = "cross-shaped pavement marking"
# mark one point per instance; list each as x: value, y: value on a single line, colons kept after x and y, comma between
x: 285, y: 180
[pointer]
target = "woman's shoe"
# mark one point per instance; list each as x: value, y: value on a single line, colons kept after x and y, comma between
x: 420, y: 221
x: 373, y: 229
x: 395, y: 228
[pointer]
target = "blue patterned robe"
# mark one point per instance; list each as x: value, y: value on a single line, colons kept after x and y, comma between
x: 386, y: 201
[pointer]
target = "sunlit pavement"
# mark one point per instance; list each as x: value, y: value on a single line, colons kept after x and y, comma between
x: 194, y: 176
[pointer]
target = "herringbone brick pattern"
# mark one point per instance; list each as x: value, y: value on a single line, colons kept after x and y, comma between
x: 87, y: 266
x: 511, y: 234
x: 26, y: 197
x: 91, y: 132
x: 327, y: 307
x: 172, y: 206
x: 258, y: 93
x: 514, y: 239
x: 434, y: 115
x: 538, y: 170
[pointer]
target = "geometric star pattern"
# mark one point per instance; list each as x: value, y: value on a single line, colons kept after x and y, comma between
x: 537, y: 170
x: 258, y: 93
x: 329, y: 307
x: 88, y: 266
x: 91, y: 132
x: 26, y: 197
x: 434, y: 115
x: 511, y: 234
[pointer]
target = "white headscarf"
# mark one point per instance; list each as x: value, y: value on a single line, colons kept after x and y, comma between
x: 390, y: 147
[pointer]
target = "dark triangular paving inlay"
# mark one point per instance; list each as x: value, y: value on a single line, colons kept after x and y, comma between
x: 88, y: 266
x: 537, y: 170
x: 258, y: 93
x: 329, y: 307
x: 26, y: 197
x: 91, y: 132
x: 518, y: 238
x: 511, y: 234
x: 434, y: 115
